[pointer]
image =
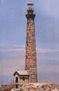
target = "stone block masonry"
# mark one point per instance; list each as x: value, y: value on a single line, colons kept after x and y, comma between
x: 30, y: 61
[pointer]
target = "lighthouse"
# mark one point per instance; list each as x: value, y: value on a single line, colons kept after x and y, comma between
x: 30, y: 57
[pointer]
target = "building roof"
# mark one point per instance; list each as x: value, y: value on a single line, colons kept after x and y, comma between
x: 21, y: 72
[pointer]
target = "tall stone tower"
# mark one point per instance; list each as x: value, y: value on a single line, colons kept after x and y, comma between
x: 30, y: 61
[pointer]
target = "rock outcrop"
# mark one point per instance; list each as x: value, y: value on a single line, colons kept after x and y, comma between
x: 46, y: 86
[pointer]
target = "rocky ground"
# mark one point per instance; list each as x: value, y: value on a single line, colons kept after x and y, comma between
x: 44, y: 86
x: 38, y: 87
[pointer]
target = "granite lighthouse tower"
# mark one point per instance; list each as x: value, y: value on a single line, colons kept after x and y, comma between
x: 30, y: 60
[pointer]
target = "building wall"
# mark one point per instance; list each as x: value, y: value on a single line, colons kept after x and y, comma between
x: 21, y: 81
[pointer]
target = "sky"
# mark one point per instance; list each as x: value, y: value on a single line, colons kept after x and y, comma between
x: 13, y: 25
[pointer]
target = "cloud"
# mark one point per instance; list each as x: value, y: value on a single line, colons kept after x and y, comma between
x: 48, y: 73
x: 48, y: 7
x: 39, y: 50
x: 48, y: 68
x: 16, y: 50
x: 12, y: 48
x: 21, y: 48
x: 8, y: 67
x: 11, y: 45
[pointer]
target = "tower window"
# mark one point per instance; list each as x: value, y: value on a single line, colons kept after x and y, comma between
x: 23, y: 78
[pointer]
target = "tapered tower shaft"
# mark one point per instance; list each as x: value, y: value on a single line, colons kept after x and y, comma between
x: 30, y: 62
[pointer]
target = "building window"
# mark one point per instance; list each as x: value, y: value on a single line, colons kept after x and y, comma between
x: 16, y: 79
x: 23, y: 78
